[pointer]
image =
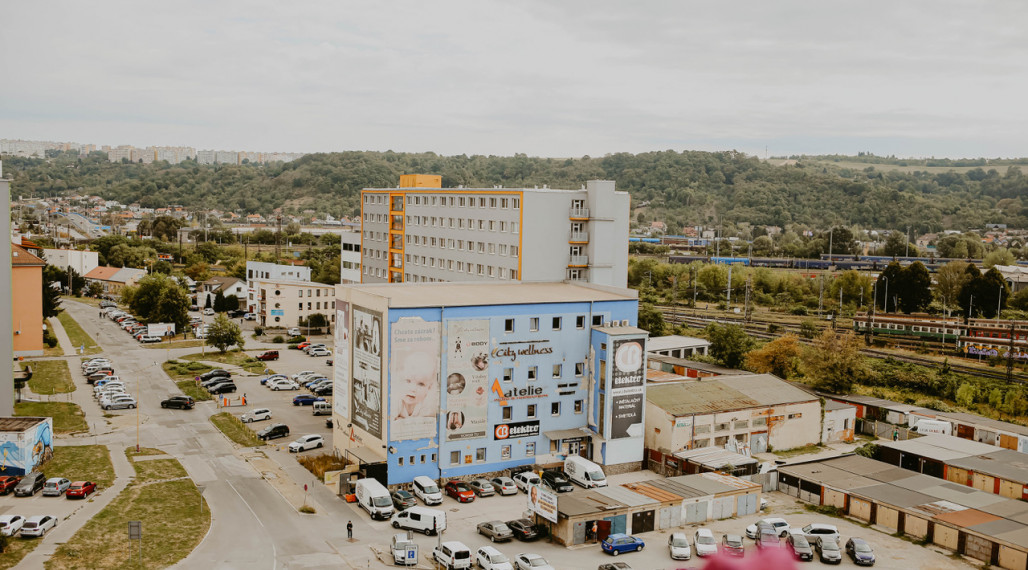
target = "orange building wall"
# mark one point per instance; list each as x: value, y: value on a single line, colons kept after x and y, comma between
x: 27, y: 310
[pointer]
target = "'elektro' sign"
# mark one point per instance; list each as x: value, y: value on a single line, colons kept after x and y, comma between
x: 517, y: 429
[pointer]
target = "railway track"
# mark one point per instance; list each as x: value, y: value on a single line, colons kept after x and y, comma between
x: 767, y: 329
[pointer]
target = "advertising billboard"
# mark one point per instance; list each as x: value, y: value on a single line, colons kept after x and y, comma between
x: 514, y: 430
x: 467, y: 379
x: 366, y: 397
x: 160, y: 329
x: 627, y: 378
x: 341, y: 367
x: 413, y: 379
x: 543, y: 502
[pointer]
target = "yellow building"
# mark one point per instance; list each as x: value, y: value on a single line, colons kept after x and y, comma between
x: 27, y: 302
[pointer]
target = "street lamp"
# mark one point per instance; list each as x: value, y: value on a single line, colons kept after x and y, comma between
x: 886, y: 307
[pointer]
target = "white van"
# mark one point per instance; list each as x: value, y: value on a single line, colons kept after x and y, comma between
x: 584, y: 472
x: 322, y: 409
x: 373, y: 497
x: 404, y: 549
x: 452, y: 555
x: 424, y: 520
x: 427, y: 490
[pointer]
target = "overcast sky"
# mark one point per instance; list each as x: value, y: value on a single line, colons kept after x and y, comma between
x: 545, y: 78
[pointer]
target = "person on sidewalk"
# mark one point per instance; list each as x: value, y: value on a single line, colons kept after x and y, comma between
x: 349, y: 529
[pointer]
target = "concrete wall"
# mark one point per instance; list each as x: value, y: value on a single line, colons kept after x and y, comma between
x: 27, y: 310
x: 916, y: 527
x: 889, y: 518
x: 793, y: 432
x: 860, y: 509
x: 6, y: 322
x: 839, y: 425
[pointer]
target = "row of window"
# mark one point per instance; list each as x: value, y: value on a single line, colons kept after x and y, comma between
x: 555, y: 324
x: 452, y: 201
x: 462, y: 223
x: 741, y: 424
x: 411, y: 459
x: 481, y: 454
x: 533, y: 372
x: 483, y: 270
x: 459, y: 244
x: 532, y: 410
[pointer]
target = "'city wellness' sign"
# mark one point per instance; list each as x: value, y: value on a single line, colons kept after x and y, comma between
x: 516, y: 429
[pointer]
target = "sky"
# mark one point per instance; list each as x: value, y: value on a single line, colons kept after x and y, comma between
x: 545, y: 78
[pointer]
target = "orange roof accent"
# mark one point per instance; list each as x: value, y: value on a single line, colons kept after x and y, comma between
x: 22, y: 257
x: 966, y: 517
x: 102, y: 273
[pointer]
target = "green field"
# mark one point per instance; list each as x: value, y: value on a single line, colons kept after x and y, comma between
x: 82, y: 463
x: 68, y: 417
x: 235, y: 429
x: 51, y: 377
x: 78, y: 336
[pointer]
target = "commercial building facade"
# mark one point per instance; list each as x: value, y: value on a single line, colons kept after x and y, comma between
x: 27, y: 302
x: 451, y: 380
x: 288, y: 303
x: 421, y: 232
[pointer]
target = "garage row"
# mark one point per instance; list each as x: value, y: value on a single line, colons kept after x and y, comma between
x: 655, y: 504
x: 977, y: 524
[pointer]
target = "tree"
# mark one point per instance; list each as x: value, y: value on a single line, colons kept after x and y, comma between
x: 1001, y: 256
x: 1019, y: 300
x: 95, y: 289
x: 652, y: 320
x: 728, y: 343
x: 51, y: 294
x: 949, y: 279
x: 914, y: 288
x: 834, y: 362
x: 219, y: 302
x: 896, y: 245
x: 223, y: 333
x: 887, y: 283
x: 855, y: 287
x: 971, y: 284
x: 158, y: 298
x: 984, y: 294
x: 779, y: 357
x: 231, y: 302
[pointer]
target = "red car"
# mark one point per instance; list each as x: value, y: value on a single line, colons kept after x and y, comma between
x: 303, y: 344
x: 80, y: 489
x: 268, y: 355
x: 7, y: 483
x: 460, y: 490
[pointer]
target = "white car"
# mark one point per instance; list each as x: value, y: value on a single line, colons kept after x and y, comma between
x: 528, y: 561
x: 293, y: 332
x: 208, y: 311
x: 282, y: 384
x: 305, y: 442
x: 11, y: 524
x: 526, y: 479
x: 488, y: 558
x: 319, y: 351
x: 300, y: 375
x: 504, y: 485
x: 704, y: 542
x: 779, y: 524
x: 678, y: 544
x: 108, y: 394
x: 95, y: 362
x: 120, y: 403
x: 311, y: 347
x: 257, y: 415
x: 38, y: 525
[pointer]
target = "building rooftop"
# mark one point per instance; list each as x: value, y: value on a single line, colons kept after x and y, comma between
x: 18, y: 424
x: 670, y: 342
x: 471, y: 294
x: 939, y: 447
x: 22, y: 257
x: 723, y: 393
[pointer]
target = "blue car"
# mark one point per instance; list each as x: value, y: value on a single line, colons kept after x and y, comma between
x: 617, y: 543
x: 305, y: 400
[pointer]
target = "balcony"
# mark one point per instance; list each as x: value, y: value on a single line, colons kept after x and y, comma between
x: 579, y: 261
x: 579, y: 213
x: 577, y: 274
x: 579, y: 237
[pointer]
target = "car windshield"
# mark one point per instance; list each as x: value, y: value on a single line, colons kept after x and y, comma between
x: 499, y: 558
x: 500, y: 527
x: 539, y: 561
x: 403, y: 494
x: 680, y: 542
x: 734, y: 541
x: 30, y: 525
x: 861, y: 547
x: 595, y: 475
x: 800, y: 542
x: 704, y: 540
x: 769, y: 538
x: 382, y: 502
x: 431, y: 489
x: 829, y: 545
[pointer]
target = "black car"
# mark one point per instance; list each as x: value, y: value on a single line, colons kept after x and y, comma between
x: 860, y: 551
x: 403, y: 500
x: 557, y: 481
x: 273, y: 432
x: 523, y: 529
x: 214, y: 374
x: 180, y: 402
x: 236, y: 314
x: 223, y: 388
x: 799, y: 546
x: 325, y: 390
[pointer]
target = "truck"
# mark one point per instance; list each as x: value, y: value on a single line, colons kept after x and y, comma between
x: 584, y: 472
x: 373, y: 497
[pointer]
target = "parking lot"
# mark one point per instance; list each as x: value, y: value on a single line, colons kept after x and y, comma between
x: 462, y: 520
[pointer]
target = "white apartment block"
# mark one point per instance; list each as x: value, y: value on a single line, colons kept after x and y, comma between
x: 117, y: 154
x: 350, y: 258
x: 175, y: 154
x: 251, y: 157
x: 227, y: 157
x: 420, y: 232
x: 258, y: 271
x: 283, y: 304
x: 206, y: 156
x: 81, y: 262
x: 144, y: 155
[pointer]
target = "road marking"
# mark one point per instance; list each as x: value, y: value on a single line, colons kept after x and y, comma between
x: 247, y: 504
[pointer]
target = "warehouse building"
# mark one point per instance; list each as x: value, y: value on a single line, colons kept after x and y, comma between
x: 460, y: 379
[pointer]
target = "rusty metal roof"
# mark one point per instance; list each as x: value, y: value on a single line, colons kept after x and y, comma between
x: 19, y: 424
x: 967, y: 517
x: 652, y: 492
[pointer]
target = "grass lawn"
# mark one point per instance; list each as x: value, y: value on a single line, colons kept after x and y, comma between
x: 82, y: 463
x: 191, y: 388
x: 179, y: 370
x: 177, y: 342
x: 806, y: 449
x: 235, y: 357
x: 77, y: 335
x: 17, y: 548
x: 51, y: 377
x: 235, y: 429
x: 68, y: 417
x: 170, y: 510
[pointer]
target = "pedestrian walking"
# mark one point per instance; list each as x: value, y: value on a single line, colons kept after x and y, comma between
x: 349, y: 529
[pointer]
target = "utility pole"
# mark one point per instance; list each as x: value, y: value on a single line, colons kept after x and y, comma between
x: 729, y: 305
x: 746, y: 310
x: 831, y: 234
x: 821, y: 297
x: 907, y: 236
x: 278, y: 240
x: 1010, y: 354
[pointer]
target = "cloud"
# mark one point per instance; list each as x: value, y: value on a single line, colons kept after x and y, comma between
x: 543, y: 78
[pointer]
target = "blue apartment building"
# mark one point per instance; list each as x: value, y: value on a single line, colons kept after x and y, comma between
x: 459, y: 379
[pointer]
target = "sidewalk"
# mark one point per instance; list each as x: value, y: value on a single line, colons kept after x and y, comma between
x: 62, y: 337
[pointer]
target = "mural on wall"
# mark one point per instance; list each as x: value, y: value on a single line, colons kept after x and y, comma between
x: 413, y: 379
x: 366, y: 399
x: 26, y: 451
x: 467, y: 380
x: 341, y: 367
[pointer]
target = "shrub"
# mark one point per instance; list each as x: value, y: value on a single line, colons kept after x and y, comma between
x: 258, y: 331
x: 49, y: 338
x: 799, y: 310
x: 194, y: 366
x: 319, y: 464
x: 278, y: 339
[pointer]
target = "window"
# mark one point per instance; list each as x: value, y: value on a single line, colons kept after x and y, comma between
x: 597, y: 320
x: 433, y: 457
x: 533, y: 324
x: 508, y: 374
x: 531, y: 411
x: 533, y: 371
x: 579, y: 406
x: 795, y: 416
x: 505, y: 452
x: 507, y: 412
x: 700, y: 443
x: 411, y: 462
x: 422, y: 457
x: 722, y: 426
x: 508, y: 325
x: 580, y: 322
x: 455, y: 457
x: 579, y: 369
x: 556, y: 323
x: 759, y: 422
x: 557, y: 370
x: 399, y: 461
x: 480, y: 454
x: 701, y: 429
x: 530, y: 449
x: 554, y: 408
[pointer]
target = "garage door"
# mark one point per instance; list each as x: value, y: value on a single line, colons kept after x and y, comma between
x: 617, y: 524
x: 721, y: 508
x: 642, y: 522
x: 696, y: 512
x: 747, y: 505
x: 670, y: 517
x: 578, y: 533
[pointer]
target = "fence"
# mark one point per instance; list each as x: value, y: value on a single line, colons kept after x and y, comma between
x: 884, y: 430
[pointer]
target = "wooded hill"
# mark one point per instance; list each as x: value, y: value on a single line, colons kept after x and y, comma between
x: 680, y: 188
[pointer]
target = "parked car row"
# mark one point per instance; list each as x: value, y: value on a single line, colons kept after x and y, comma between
x: 34, y: 527
x: 314, y: 349
x: 814, y: 540
x: 111, y: 394
x: 129, y: 324
x: 453, y: 554
x: 31, y: 483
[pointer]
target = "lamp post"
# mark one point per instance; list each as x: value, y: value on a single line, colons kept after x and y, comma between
x: 886, y: 307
